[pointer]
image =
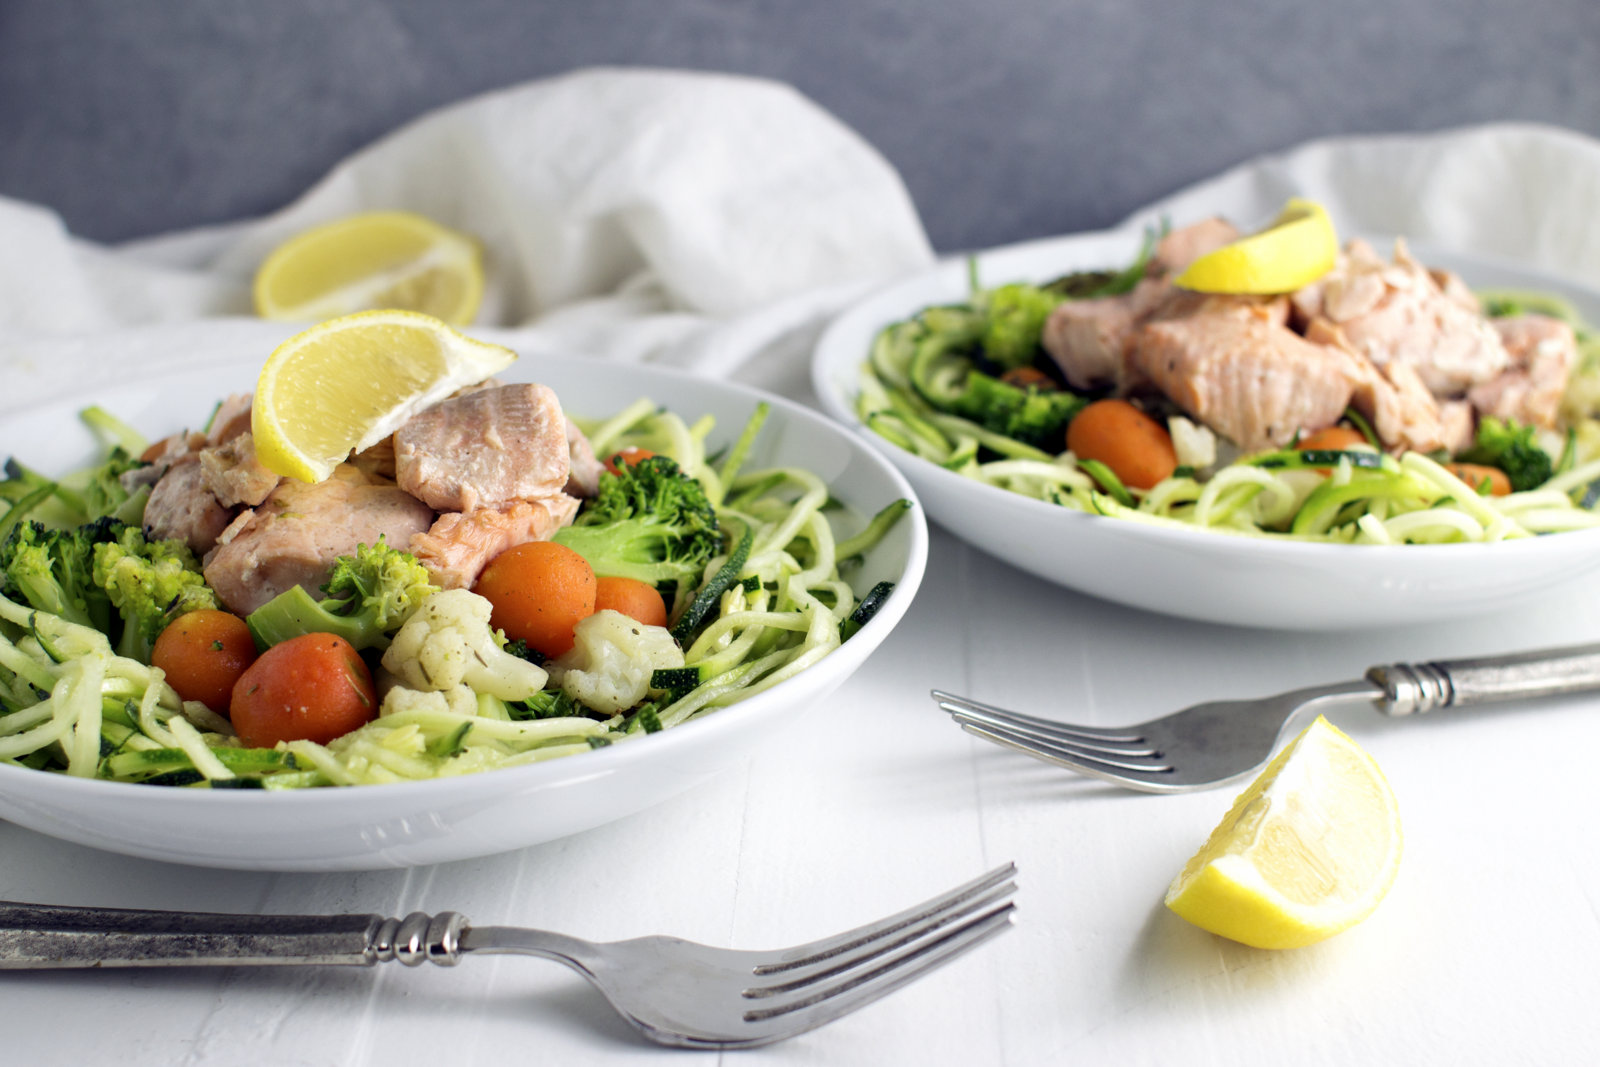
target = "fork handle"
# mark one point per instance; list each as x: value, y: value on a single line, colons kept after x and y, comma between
x: 34, y: 936
x: 1414, y: 688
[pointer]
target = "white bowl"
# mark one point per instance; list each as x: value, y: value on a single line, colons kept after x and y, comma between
x: 1198, y: 574
x: 367, y: 827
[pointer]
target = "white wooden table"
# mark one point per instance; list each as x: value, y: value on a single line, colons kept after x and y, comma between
x: 1484, y: 952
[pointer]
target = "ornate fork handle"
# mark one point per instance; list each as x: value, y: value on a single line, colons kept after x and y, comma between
x: 44, y: 936
x: 1414, y: 688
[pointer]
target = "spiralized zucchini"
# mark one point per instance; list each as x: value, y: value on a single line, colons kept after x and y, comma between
x: 68, y: 704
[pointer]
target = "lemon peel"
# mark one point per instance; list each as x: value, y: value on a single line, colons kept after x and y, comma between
x: 375, y: 260
x: 1308, y: 850
x: 346, y: 384
x: 1299, y: 247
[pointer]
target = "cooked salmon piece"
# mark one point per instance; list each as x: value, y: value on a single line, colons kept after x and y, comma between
x: 461, y: 543
x: 377, y: 461
x: 484, y: 448
x: 1392, y: 397
x: 1181, y: 247
x: 233, y: 473
x: 293, y: 537
x: 1399, y: 312
x: 583, y: 477
x: 182, y: 508
x: 1239, y: 371
x: 231, y: 419
x: 1543, y: 352
x: 1090, y: 339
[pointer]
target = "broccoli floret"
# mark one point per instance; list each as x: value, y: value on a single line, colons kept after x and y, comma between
x: 448, y: 642
x: 1510, y: 445
x: 103, y: 493
x: 53, y: 570
x: 369, y: 595
x: 1013, y: 320
x: 1029, y: 414
x: 150, y: 583
x: 650, y: 521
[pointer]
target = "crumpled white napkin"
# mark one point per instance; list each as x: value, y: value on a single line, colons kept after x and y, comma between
x: 1515, y: 192
x: 707, y: 221
x: 628, y: 214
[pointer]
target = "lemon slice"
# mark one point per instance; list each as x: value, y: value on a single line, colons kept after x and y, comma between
x: 1298, y: 248
x: 1307, y: 851
x: 346, y: 384
x: 384, y: 259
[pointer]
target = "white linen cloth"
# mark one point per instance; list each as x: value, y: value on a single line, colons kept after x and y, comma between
x: 666, y: 245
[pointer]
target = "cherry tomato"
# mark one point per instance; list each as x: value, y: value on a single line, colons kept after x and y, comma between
x: 202, y: 654
x: 314, y: 687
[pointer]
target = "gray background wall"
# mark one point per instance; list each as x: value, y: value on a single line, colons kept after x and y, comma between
x: 1008, y: 119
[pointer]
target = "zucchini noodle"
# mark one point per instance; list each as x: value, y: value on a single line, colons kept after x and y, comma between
x: 68, y: 704
x: 1362, y: 497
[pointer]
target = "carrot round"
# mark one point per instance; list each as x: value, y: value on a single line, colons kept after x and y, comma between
x: 635, y: 599
x: 1135, y: 446
x: 202, y: 654
x: 1474, y: 474
x: 539, y: 591
x: 1332, y: 439
x: 627, y: 458
x: 314, y: 687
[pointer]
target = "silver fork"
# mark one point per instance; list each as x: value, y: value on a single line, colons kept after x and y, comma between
x: 1212, y: 744
x: 675, y: 992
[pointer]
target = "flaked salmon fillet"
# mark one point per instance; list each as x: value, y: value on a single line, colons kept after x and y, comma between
x: 1090, y: 339
x: 1401, y: 311
x: 1238, y: 370
x: 1543, y: 352
x: 181, y: 507
x: 584, y: 469
x: 293, y: 537
x: 233, y: 473
x: 484, y: 448
x: 1394, y: 399
x: 459, y: 544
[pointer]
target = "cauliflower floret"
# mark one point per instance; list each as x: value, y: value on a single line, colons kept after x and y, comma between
x: 612, y: 659
x: 448, y: 642
x: 457, y: 700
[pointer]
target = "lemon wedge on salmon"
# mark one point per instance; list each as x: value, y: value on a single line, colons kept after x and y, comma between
x: 1308, y: 850
x: 346, y: 384
x: 381, y: 259
x: 1298, y: 248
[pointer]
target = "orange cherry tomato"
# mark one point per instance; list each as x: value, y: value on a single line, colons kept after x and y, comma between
x: 1135, y: 446
x: 627, y: 458
x: 635, y: 599
x: 539, y: 591
x: 314, y: 687
x: 203, y: 653
x: 1474, y: 475
x: 1332, y: 439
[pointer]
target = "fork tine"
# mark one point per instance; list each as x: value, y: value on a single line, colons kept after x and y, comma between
x: 1151, y: 777
x: 993, y: 885
x: 819, y: 1003
x: 1069, y: 739
x: 962, y: 705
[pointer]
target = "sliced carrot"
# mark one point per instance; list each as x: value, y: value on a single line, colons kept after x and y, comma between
x: 1135, y: 446
x: 1474, y: 475
x: 539, y: 591
x: 1332, y: 439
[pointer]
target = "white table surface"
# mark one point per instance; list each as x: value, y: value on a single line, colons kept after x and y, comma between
x: 1484, y: 952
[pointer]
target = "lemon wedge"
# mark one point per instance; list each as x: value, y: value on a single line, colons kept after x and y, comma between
x: 346, y: 384
x: 1298, y: 248
x: 1307, y: 851
x: 382, y: 259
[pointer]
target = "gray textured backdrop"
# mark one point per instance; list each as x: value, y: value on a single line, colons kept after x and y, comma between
x: 1008, y: 119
